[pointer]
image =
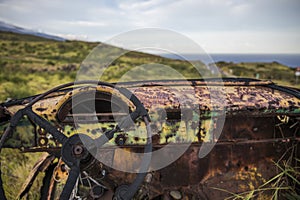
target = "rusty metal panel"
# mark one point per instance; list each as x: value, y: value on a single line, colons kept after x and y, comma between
x: 261, y: 124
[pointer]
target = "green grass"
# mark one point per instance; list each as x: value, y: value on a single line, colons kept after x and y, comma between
x: 15, y: 168
x: 283, y: 185
x: 31, y: 65
x: 274, y: 71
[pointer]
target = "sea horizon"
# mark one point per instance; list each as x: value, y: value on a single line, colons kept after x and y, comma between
x: 290, y: 60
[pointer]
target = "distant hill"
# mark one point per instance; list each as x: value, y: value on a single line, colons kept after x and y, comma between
x: 274, y: 71
x: 32, y: 64
x: 15, y: 29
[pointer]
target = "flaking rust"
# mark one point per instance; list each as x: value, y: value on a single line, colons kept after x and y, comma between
x: 259, y: 123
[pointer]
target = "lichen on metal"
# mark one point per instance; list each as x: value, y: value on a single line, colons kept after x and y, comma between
x: 261, y: 123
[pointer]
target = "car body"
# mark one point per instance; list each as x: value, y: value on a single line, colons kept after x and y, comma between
x: 210, y: 138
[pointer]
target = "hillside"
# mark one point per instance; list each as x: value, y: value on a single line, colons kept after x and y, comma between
x: 5, y: 27
x: 274, y: 71
x: 31, y: 65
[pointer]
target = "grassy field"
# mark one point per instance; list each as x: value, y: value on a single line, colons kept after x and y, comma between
x: 31, y: 65
x: 274, y: 71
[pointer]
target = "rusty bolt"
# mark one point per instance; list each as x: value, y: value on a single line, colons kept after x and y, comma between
x: 78, y: 149
x: 97, y: 191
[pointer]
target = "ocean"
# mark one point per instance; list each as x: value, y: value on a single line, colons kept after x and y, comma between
x: 290, y: 60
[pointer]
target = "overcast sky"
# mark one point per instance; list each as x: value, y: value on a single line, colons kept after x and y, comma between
x: 219, y: 26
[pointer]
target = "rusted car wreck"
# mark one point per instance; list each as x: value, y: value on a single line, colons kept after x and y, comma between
x: 228, y: 135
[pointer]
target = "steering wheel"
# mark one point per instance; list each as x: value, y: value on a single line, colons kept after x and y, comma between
x: 73, y: 151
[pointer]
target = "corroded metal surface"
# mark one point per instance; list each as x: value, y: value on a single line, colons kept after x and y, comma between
x: 236, y: 98
x: 176, y: 108
x: 262, y: 123
x: 243, y: 159
x: 237, y: 95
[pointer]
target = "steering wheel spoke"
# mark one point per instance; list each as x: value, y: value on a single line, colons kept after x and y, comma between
x: 60, y: 137
x: 13, y: 123
x: 71, y: 182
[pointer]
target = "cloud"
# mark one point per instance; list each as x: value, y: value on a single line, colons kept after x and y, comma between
x: 248, y: 41
x: 85, y: 23
x: 73, y: 37
x: 248, y: 21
